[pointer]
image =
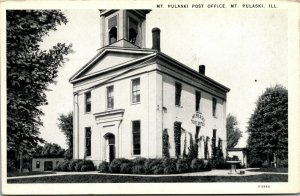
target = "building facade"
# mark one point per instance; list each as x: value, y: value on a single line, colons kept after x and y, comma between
x: 45, y: 164
x: 128, y: 94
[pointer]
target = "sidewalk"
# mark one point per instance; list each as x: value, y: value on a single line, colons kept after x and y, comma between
x: 215, y: 172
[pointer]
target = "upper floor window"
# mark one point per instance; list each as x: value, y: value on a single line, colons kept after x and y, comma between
x: 88, y: 141
x: 113, y: 30
x: 197, y: 101
x: 88, y: 103
x: 214, y: 106
x: 178, y: 88
x: 136, y: 98
x: 132, y: 30
x: 110, y: 97
x: 136, y: 135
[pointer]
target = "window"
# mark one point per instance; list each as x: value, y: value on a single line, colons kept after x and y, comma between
x: 178, y: 88
x: 214, y: 133
x: 132, y: 30
x: 113, y: 31
x: 214, y: 106
x: 88, y: 141
x: 88, y: 104
x: 136, y: 131
x: 38, y: 164
x: 197, y: 99
x: 110, y: 97
x: 136, y: 90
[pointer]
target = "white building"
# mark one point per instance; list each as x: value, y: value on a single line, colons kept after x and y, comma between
x: 128, y: 94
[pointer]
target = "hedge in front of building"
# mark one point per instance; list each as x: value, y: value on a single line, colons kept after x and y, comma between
x: 154, y: 166
x: 78, y: 165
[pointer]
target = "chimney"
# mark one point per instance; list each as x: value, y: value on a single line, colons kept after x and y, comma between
x: 156, y: 38
x: 202, y: 69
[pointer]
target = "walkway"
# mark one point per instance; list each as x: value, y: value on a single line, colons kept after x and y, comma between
x: 218, y: 172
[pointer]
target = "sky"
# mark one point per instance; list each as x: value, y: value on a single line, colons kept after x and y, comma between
x: 245, y: 50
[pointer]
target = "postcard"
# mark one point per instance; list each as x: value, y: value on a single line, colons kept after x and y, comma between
x: 149, y: 97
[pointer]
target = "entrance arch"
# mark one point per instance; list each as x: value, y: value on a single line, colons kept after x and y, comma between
x: 110, y: 152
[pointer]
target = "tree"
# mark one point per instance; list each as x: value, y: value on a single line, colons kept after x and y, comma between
x: 66, y: 126
x: 268, y: 127
x: 233, y: 131
x: 29, y: 72
x: 49, y: 150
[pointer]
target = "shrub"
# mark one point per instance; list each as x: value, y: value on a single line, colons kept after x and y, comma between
x: 139, y: 161
x: 89, y: 165
x: 126, y: 168
x: 78, y: 165
x: 158, y: 169
x: 182, y: 166
x: 197, y: 165
x: 64, y: 165
x: 84, y: 168
x: 165, y: 147
x: 115, y: 165
x: 150, y: 164
x: 169, y: 166
x: 72, y: 165
x: 218, y: 163
x: 265, y: 164
x: 103, y: 167
x: 283, y: 163
x: 207, y: 165
x: 138, y: 169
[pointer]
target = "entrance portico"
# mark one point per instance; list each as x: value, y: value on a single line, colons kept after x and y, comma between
x: 109, y: 124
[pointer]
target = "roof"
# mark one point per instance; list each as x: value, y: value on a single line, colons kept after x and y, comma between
x: 144, y: 55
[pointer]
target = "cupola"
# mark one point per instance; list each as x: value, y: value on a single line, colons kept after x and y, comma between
x: 117, y: 25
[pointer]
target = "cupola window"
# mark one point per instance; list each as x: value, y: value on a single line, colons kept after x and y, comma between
x: 132, y: 31
x: 113, y: 31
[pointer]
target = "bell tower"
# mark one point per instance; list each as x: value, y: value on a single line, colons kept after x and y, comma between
x: 120, y: 25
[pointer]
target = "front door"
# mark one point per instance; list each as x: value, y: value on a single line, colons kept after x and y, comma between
x: 110, y: 147
x: 48, y: 166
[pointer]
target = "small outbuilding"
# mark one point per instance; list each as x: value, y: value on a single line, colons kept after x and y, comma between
x: 45, y: 164
x: 241, y: 153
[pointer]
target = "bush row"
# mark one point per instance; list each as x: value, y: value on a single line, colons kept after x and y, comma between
x: 75, y: 165
x: 154, y: 166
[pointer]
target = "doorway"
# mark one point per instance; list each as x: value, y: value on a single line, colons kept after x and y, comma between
x: 110, y: 147
x: 48, y: 166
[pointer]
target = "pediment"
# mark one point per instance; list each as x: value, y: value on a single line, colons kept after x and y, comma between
x: 108, y: 59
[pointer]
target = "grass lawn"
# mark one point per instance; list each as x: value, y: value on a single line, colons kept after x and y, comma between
x: 12, y: 174
x: 93, y: 178
x: 278, y: 170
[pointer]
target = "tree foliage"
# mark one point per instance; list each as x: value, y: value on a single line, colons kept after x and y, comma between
x: 233, y: 131
x: 66, y: 126
x: 49, y: 150
x: 268, y: 127
x: 29, y: 72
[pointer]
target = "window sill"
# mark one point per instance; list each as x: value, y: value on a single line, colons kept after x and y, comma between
x: 87, y: 112
x: 136, y: 155
x: 136, y: 103
x: 179, y: 106
x: 109, y: 109
x: 215, y: 117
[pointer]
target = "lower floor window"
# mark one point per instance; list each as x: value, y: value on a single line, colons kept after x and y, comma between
x: 88, y: 141
x: 136, y: 134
